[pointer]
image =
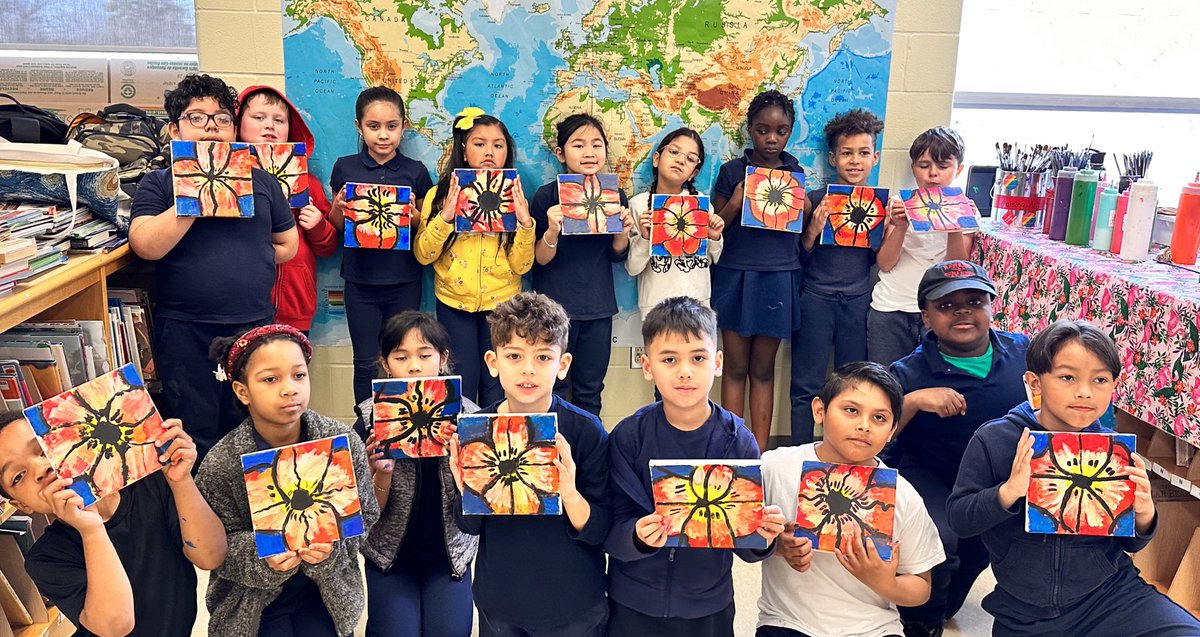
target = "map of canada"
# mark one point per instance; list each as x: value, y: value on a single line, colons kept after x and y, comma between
x: 644, y: 67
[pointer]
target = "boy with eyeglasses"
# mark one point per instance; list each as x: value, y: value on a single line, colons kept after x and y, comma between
x: 213, y: 276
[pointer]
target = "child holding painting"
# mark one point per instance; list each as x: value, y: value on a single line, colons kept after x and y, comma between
x: 539, y: 574
x: 1061, y: 584
x: 418, y: 562
x: 754, y: 287
x: 476, y: 271
x: 675, y: 162
x: 682, y: 592
x: 894, y: 321
x: 124, y: 565
x: 265, y: 116
x: 962, y: 375
x: 579, y: 276
x: 379, y: 283
x: 829, y: 594
x: 836, y: 292
x: 314, y: 591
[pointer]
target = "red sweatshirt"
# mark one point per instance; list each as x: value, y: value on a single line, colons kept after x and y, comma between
x: 295, y: 293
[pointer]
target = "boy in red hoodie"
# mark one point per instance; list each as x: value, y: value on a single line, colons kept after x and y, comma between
x: 266, y: 116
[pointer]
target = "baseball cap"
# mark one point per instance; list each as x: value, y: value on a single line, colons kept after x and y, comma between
x: 952, y: 276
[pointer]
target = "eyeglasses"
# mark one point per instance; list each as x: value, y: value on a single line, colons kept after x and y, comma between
x: 673, y: 153
x: 200, y: 120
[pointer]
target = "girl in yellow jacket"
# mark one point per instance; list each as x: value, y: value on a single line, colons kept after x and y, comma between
x: 475, y: 271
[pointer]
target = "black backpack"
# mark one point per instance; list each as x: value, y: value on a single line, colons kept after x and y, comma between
x: 30, y: 124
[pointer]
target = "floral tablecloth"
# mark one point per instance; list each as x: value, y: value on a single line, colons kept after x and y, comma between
x: 1150, y: 310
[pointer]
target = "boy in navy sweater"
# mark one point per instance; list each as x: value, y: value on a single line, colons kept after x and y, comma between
x: 214, y: 276
x: 962, y: 375
x: 675, y: 591
x: 1059, y: 584
x: 541, y: 575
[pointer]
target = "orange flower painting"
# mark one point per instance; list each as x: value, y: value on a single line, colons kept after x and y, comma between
x: 773, y: 199
x: 212, y: 179
x: 837, y: 499
x: 678, y: 225
x: 508, y: 464
x: 856, y: 216
x: 378, y: 216
x: 939, y: 210
x: 416, y: 417
x: 1079, y: 484
x: 288, y: 164
x: 710, y: 504
x: 486, y: 200
x: 302, y: 494
x: 100, y: 434
x: 591, y: 204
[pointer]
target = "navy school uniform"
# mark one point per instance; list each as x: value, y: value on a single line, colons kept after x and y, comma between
x: 580, y: 278
x: 379, y: 283
x: 215, y: 282
x: 144, y: 530
x: 535, y: 574
x: 755, y: 286
x: 666, y: 587
x: 928, y: 450
x: 1056, y: 585
x: 834, y: 300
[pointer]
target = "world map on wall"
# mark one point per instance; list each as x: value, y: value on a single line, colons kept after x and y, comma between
x: 643, y: 67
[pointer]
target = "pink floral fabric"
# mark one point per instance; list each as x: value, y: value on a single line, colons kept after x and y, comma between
x: 1150, y: 310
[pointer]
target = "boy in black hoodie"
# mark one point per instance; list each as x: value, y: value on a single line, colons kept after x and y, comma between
x: 1059, y: 584
x: 672, y: 592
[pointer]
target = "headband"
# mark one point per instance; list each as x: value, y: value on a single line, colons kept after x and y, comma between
x: 466, y: 117
x: 244, y: 342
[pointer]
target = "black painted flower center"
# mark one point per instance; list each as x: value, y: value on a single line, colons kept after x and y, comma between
x: 301, y: 499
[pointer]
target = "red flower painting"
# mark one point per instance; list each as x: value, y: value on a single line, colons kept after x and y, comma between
x: 486, y: 200
x: 591, y: 204
x: 415, y: 417
x: 101, y: 434
x: 856, y: 216
x: 212, y: 179
x: 378, y: 216
x: 1079, y: 484
x: 837, y: 499
x: 288, y: 164
x: 679, y: 225
x: 709, y: 505
x: 508, y: 464
x: 773, y: 199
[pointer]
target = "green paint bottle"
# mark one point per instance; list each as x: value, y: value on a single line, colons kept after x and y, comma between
x: 1083, y: 204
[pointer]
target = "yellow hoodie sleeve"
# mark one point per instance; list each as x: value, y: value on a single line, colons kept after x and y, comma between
x: 432, y: 236
x: 520, y: 253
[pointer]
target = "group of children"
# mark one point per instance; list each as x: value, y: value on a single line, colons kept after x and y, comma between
x: 125, y: 565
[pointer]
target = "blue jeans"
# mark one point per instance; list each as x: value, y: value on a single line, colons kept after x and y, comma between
x: 892, y: 335
x: 828, y: 322
x: 590, y: 345
x: 469, y: 340
x: 431, y: 603
x: 368, y: 307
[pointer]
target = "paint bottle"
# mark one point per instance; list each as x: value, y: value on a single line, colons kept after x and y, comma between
x: 1102, y: 237
x: 1102, y: 185
x: 1083, y: 202
x: 1119, y: 220
x: 1062, y: 202
x: 1048, y: 200
x: 1186, y: 239
x: 1139, y: 220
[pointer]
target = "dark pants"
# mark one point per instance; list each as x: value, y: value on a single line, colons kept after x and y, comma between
x: 192, y: 394
x: 827, y: 322
x: 1124, y: 606
x: 779, y: 631
x: 417, y: 603
x: 368, y: 307
x: 590, y: 345
x: 966, y: 558
x: 303, y: 614
x: 892, y: 335
x: 589, y: 624
x: 469, y: 340
x: 624, y: 621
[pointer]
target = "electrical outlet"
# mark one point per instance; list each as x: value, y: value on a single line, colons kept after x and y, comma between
x: 635, y: 357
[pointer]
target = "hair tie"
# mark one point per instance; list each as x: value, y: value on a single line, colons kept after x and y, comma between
x: 466, y: 117
x: 253, y: 336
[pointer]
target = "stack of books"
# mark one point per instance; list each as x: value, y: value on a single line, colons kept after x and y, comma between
x: 39, y: 360
x: 129, y: 325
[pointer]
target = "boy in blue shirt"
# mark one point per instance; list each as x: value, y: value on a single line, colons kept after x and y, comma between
x: 541, y: 575
x: 1059, y: 584
x: 836, y: 291
x: 684, y: 592
x: 963, y: 374
x: 213, y: 276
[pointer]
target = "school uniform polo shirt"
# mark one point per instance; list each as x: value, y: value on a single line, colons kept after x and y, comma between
x: 755, y: 249
x: 833, y: 269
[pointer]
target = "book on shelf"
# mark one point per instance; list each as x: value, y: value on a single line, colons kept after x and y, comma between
x: 130, y: 321
x: 17, y: 249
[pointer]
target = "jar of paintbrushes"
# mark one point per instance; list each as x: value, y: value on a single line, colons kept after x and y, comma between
x: 1019, y: 193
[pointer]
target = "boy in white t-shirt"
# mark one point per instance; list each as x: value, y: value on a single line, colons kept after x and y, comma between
x: 894, y: 321
x: 809, y: 594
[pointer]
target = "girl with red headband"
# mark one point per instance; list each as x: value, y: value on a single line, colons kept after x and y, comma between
x: 310, y: 592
